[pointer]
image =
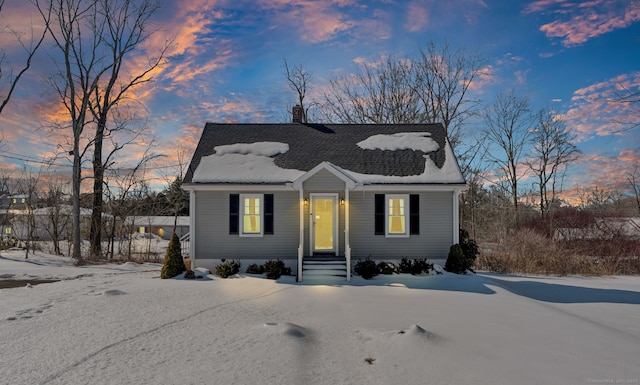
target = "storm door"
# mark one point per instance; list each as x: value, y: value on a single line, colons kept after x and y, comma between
x: 324, y: 221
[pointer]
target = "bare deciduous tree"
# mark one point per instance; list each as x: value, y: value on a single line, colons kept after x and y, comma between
x: 553, y: 150
x: 508, y: 122
x: 126, y: 27
x: 57, y: 216
x: 28, y: 190
x: 432, y: 88
x: 94, y: 39
x: 299, y: 81
x: 444, y: 77
x: 635, y: 186
x: 377, y: 93
x: 30, y: 50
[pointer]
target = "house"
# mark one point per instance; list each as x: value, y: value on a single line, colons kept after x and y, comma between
x: 162, y: 226
x: 313, y: 193
x: 19, y: 202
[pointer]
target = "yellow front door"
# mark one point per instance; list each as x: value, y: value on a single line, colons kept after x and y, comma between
x: 323, y: 222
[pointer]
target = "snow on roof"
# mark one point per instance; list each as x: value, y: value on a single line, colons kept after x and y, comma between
x: 258, y: 148
x: 157, y: 220
x: 254, y: 163
x: 245, y: 163
x: 417, y: 141
x: 449, y: 173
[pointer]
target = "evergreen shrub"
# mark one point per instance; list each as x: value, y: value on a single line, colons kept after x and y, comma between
x: 276, y: 268
x: 387, y: 268
x: 173, y: 262
x: 456, y: 262
x: 367, y: 269
x: 255, y: 269
x: 459, y: 261
x: 227, y: 269
x: 414, y: 266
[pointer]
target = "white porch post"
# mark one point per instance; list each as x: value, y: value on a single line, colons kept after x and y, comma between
x: 301, y: 243
x: 347, y: 245
x: 456, y: 217
x: 192, y: 228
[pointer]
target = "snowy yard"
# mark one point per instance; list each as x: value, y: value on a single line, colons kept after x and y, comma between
x: 121, y: 324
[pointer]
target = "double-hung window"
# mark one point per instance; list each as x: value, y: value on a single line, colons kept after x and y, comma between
x: 251, y: 210
x: 397, y: 215
x: 251, y: 215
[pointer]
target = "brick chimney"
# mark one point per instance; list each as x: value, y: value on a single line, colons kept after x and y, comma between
x: 297, y: 113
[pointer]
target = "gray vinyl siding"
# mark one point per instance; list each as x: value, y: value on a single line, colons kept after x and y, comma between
x: 213, y: 241
x: 323, y: 181
x: 433, y: 242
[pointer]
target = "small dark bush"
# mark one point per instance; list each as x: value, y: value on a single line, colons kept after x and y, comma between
x: 173, y: 262
x: 462, y: 256
x: 367, y: 269
x: 227, y: 269
x: 469, y: 248
x: 421, y: 266
x: 414, y: 266
x: 255, y: 269
x: 275, y: 269
x: 387, y: 268
x: 405, y: 266
x: 456, y: 262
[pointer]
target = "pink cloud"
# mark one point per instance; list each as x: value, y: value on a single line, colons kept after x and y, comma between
x: 316, y: 21
x: 597, y: 109
x: 485, y: 77
x: 578, y: 22
x: 417, y: 17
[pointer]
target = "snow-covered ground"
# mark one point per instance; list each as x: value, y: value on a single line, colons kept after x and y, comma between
x: 122, y: 324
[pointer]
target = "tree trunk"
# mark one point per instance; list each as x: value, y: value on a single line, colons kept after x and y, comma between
x: 77, y: 252
x: 98, y: 182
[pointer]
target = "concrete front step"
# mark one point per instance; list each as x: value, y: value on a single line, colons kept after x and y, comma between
x: 324, y: 266
x: 317, y: 267
x: 324, y: 273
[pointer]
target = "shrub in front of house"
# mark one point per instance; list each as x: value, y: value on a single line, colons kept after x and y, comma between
x: 415, y: 266
x: 469, y: 248
x: 421, y: 266
x: 173, y: 262
x: 387, y: 268
x: 276, y: 268
x: 254, y: 268
x: 227, y: 269
x: 456, y: 262
x: 367, y: 269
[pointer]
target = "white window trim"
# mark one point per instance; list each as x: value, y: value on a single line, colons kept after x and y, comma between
x: 241, y: 232
x: 387, y: 198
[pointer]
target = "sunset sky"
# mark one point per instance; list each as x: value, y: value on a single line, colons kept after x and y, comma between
x: 226, y: 65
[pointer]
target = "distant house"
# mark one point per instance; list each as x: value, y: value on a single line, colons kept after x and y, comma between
x: 161, y: 226
x: 17, y: 202
x: 315, y: 193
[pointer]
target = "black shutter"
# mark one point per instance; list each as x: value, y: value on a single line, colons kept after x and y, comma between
x: 268, y: 213
x: 414, y: 214
x: 234, y: 213
x: 379, y: 214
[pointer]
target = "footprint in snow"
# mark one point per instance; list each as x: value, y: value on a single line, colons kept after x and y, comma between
x: 113, y: 292
x: 286, y: 328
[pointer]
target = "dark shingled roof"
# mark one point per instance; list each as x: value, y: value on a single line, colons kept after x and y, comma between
x: 311, y: 144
